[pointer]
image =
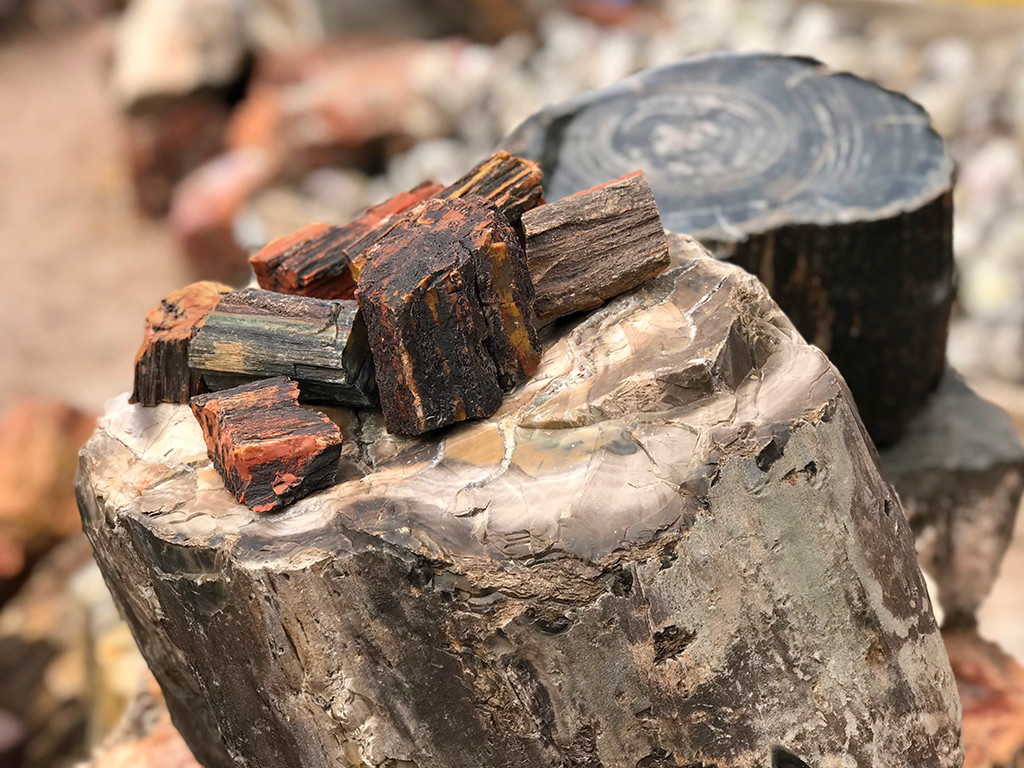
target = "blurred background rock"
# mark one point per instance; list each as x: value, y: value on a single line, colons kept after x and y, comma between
x: 144, y: 144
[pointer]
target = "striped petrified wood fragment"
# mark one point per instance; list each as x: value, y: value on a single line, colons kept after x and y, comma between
x: 162, y: 374
x: 591, y: 246
x: 324, y: 261
x: 448, y: 304
x: 269, y: 451
x: 256, y: 334
x: 511, y: 183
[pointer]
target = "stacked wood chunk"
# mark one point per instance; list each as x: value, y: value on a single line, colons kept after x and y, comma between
x: 426, y: 306
x: 324, y: 261
x: 449, y: 306
x: 321, y: 344
x: 162, y: 374
x: 269, y: 450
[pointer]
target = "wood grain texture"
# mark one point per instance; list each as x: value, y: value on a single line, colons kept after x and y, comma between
x: 671, y: 546
x: 833, y: 191
x: 586, y: 248
x: 162, y: 374
x: 511, y: 183
x: 268, y: 450
x: 323, y: 261
x: 448, y: 304
x: 255, y: 334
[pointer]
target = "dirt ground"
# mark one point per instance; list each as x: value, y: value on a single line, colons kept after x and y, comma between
x: 83, y: 268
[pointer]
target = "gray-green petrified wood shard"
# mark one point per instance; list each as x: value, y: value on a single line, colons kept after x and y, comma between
x: 255, y: 334
x: 671, y: 546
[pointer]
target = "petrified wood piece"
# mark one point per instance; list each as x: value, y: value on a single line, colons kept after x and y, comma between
x: 324, y: 261
x: 959, y: 471
x: 256, y: 334
x: 162, y: 374
x: 672, y: 545
x: 991, y: 684
x: 591, y: 246
x: 268, y: 450
x: 511, y: 183
x: 835, y: 192
x: 448, y: 304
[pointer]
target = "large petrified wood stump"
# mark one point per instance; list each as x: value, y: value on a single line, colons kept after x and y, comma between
x: 671, y: 546
x: 959, y: 471
x: 835, y: 192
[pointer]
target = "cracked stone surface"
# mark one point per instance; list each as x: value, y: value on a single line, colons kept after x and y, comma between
x: 671, y: 546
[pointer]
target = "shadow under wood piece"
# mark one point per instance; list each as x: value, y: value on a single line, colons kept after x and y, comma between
x: 959, y: 471
x: 268, y: 450
x: 511, y: 183
x: 162, y: 374
x: 991, y: 685
x: 832, y: 190
x: 255, y: 334
x: 448, y: 305
x: 324, y: 261
x: 591, y: 246
x: 676, y: 528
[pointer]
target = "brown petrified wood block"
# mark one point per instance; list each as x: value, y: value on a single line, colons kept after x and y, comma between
x: 991, y: 685
x: 324, y: 261
x: 832, y: 190
x: 448, y: 304
x: 591, y: 246
x: 959, y: 471
x: 256, y: 334
x: 511, y: 183
x: 162, y: 374
x: 671, y: 546
x: 268, y: 450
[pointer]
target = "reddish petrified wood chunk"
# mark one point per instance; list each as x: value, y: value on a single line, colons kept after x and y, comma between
x: 162, y: 374
x: 596, y: 244
x: 324, y: 261
x: 448, y: 305
x: 511, y: 183
x: 269, y: 451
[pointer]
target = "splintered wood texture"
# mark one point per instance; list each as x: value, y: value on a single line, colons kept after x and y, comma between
x: 448, y: 304
x: 591, y: 246
x: 324, y: 261
x: 256, y: 334
x: 268, y: 450
x: 162, y: 374
x: 511, y: 183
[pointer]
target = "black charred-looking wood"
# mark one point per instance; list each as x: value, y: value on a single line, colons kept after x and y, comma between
x: 511, y: 183
x: 268, y: 450
x: 591, y: 246
x: 448, y: 304
x: 162, y: 374
x: 324, y: 261
x: 255, y: 334
x: 833, y: 191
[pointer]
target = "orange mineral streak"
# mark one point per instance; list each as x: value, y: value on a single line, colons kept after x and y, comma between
x: 513, y: 319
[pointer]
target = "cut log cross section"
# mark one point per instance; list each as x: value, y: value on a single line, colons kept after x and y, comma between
x: 833, y: 191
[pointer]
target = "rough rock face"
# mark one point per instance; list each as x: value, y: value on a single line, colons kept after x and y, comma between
x: 959, y: 471
x: 671, y: 546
